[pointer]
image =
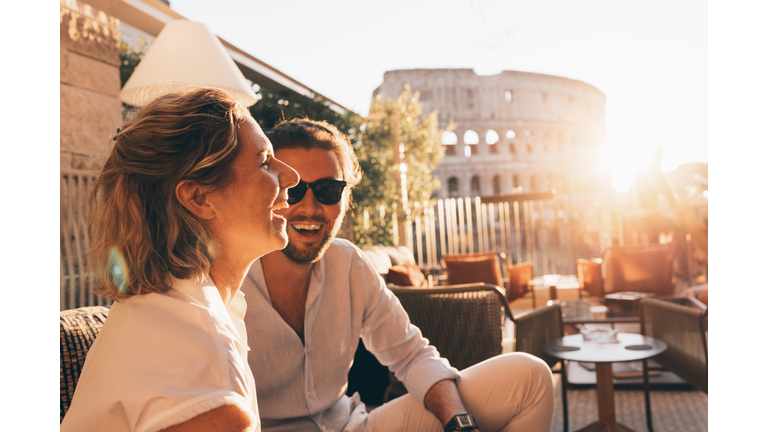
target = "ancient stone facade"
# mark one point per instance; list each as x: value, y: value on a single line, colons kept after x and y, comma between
x: 516, y: 132
x: 90, y: 110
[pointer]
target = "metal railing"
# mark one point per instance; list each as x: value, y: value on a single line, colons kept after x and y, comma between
x: 529, y: 227
x: 76, y: 288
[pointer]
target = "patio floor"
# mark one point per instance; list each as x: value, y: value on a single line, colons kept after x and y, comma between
x: 672, y: 410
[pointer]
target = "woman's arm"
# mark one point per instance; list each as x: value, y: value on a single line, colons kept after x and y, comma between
x: 227, y: 418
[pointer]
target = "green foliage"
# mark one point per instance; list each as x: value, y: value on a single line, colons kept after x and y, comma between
x: 422, y: 151
x: 276, y: 105
x: 130, y: 58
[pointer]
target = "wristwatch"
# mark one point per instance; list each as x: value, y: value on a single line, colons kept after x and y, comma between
x: 461, y: 422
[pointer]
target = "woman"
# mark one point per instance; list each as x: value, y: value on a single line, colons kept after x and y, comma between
x: 184, y: 205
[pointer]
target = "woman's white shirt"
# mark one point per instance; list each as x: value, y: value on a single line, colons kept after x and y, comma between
x: 163, y: 359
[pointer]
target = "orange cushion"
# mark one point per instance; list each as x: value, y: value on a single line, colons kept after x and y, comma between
x: 407, y: 274
x: 472, y: 268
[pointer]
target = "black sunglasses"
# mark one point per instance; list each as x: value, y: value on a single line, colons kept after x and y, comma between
x: 327, y: 191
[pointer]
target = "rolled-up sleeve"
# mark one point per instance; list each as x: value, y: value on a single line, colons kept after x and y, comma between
x: 389, y: 335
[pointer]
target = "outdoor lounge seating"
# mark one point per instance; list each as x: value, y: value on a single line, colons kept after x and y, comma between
x: 472, y: 268
x: 648, y: 269
x: 518, y: 276
x: 464, y: 322
x: 535, y: 328
x: 590, y: 274
x: 78, y: 330
x: 684, y: 330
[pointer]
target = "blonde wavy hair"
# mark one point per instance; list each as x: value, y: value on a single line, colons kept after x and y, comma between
x: 140, y: 233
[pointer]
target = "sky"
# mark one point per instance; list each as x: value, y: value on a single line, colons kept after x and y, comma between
x: 649, y: 58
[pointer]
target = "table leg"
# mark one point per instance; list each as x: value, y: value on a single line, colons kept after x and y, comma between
x: 605, y: 407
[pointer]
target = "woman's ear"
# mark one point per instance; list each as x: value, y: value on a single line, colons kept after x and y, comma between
x: 193, y: 197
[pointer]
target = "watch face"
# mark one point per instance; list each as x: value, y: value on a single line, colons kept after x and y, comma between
x: 463, y: 420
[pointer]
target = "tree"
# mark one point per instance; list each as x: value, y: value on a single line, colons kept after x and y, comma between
x: 130, y: 58
x: 374, y: 200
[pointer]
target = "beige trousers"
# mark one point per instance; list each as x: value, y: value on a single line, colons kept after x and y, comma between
x: 509, y: 392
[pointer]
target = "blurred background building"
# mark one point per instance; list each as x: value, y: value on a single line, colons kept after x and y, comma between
x: 515, y: 132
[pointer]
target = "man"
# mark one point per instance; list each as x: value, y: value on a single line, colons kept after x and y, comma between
x: 310, y: 303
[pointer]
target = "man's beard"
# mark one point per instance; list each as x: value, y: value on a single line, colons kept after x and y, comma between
x: 312, y: 255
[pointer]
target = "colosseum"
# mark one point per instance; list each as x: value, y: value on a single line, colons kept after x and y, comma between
x: 516, y: 132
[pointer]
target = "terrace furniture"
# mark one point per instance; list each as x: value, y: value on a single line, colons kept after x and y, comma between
x: 535, y: 328
x: 464, y: 322
x: 647, y: 269
x: 385, y: 257
x: 553, y: 282
x: 78, y: 329
x: 604, y: 354
x: 482, y: 267
x: 684, y: 330
x: 590, y: 274
x: 518, y: 276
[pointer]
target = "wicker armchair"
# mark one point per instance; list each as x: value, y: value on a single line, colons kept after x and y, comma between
x: 464, y: 322
x: 533, y: 329
x: 78, y: 329
x: 640, y: 268
x: 473, y: 268
x: 684, y: 330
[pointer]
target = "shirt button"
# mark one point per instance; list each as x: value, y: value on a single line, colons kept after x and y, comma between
x: 309, y: 393
x: 322, y: 427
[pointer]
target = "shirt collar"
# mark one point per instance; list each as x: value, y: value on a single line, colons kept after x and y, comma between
x: 204, y: 292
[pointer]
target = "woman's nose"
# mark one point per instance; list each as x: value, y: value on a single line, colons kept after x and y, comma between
x: 287, y: 175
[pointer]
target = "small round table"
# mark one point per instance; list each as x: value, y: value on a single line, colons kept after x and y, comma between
x: 603, y: 354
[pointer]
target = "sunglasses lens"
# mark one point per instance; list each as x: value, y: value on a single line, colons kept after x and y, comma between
x: 296, y: 193
x: 329, y: 192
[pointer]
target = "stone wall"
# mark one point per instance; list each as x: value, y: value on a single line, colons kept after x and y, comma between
x: 90, y: 110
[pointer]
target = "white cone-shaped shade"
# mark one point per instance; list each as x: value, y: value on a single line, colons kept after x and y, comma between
x: 185, y: 52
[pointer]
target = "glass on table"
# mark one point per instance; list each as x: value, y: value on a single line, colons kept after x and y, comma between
x: 600, y: 333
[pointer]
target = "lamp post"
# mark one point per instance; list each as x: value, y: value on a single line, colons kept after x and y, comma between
x: 185, y: 53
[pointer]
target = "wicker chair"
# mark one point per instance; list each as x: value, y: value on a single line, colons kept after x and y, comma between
x: 464, y: 322
x: 684, y: 330
x: 640, y: 268
x: 78, y: 329
x: 473, y: 268
x: 533, y: 329
x: 518, y: 276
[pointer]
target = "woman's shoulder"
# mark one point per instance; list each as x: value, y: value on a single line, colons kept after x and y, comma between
x: 165, y: 322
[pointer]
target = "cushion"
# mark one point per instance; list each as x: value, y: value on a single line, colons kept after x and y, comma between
x: 379, y: 257
x: 407, y: 274
x: 518, y: 276
x: 399, y: 255
x: 472, y: 268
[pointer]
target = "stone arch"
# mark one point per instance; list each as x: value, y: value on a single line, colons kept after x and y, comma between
x: 471, y: 137
x: 449, y: 141
x: 450, y: 138
x: 497, y: 184
x: 491, y: 137
x: 453, y: 188
x: 474, y: 186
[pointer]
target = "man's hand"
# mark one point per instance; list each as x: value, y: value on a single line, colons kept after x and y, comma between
x: 443, y: 400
